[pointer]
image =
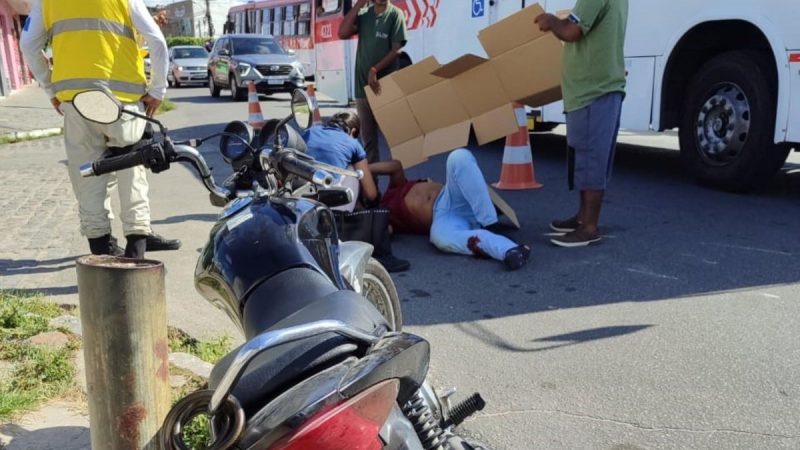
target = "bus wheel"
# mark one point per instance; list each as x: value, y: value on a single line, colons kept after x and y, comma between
x: 728, y: 122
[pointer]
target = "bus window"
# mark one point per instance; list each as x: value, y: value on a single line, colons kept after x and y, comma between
x: 266, y: 21
x: 289, y: 20
x: 277, y: 21
x: 304, y: 20
x: 328, y: 6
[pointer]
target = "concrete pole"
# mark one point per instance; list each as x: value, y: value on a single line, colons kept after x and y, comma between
x: 124, y: 319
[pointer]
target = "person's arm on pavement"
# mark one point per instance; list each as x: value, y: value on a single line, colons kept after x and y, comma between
x: 349, y: 27
x: 393, y: 168
x: 32, y: 43
x: 368, y: 187
x: 157, y: 46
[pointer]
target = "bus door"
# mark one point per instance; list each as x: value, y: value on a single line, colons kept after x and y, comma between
x: 333, y: 55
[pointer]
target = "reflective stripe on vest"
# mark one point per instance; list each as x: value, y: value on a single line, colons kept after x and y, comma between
x: 94, y: 47
x: 67, y: 25
x: 84, y: 84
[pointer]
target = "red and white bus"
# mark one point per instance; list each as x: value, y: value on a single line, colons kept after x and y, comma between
x: 727, y: 74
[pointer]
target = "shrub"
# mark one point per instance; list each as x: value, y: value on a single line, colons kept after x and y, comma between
x: 185, y: 40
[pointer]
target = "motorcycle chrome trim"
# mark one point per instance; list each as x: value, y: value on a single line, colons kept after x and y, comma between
x: 87, y: 170
x: 270, y: 339
x: 190, y: 154
x: 235, y: 206
x: 353, y: 259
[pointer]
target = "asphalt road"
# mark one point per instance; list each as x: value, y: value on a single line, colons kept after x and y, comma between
x: 679, y: 331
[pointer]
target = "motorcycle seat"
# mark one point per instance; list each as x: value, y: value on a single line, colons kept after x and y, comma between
x: 294, y: 297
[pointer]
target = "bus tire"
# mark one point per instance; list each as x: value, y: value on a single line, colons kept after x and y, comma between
x: 728, y: 123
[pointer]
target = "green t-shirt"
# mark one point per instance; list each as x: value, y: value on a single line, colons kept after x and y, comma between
x: 595, y: 64
x: 376, y: 34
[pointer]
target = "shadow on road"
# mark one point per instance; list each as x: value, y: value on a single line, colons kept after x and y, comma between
x: 55, y: 438
x: 31, y: 266
x: 665, y: 237
x: 223, y: 98
x: 186, y: 218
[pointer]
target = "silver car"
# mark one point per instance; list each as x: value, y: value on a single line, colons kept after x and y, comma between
x: 187, y: 64
x: 237, y: 59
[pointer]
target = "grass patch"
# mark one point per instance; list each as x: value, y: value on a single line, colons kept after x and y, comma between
x: 166, y: 106
x: 14, y: 139
x: 209, y: 351
x: 35, y: 373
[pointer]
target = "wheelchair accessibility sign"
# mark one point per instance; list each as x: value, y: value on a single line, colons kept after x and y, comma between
x: 478, y: 9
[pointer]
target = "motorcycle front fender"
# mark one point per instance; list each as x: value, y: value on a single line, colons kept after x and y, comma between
x: 353, y: 259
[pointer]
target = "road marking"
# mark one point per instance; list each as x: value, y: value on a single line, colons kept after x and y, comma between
x: 707, y: 261
x: 764, y: 294
x: 752, y: 249
x: 652, y: 274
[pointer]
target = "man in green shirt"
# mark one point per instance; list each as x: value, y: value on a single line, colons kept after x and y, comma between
x: 381, y: 30
x: 593, y: 85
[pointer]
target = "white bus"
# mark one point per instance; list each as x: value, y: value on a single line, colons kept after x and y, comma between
x: 726, y: 73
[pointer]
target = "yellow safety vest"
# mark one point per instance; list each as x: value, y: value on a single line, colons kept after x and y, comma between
x: 94, y: 46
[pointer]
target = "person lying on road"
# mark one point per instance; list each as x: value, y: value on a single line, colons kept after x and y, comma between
x: 459, y: 216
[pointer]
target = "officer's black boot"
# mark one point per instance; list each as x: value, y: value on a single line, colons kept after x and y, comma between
x: 100, y: 245
x: 137, y: 244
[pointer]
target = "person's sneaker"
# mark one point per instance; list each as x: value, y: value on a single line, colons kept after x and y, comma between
x: 565, y: 226
x: 393, y: 264
x: 517, y: 257
x: 156, y: 242
x: 577, y: 238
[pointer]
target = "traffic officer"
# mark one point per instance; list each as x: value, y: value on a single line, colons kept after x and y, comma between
x: 94, y: 47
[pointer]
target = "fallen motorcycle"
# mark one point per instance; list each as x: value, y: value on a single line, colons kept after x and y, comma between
x: 323, y: 366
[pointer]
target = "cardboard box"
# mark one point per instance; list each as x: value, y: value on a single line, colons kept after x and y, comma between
x: 429, y: 108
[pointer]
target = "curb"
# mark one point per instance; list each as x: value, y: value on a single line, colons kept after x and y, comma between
x: 17, y: 136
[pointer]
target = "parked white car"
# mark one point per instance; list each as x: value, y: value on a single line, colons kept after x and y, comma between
x: 187, y: 64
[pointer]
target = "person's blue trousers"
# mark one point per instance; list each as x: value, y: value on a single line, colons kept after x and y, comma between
x: 462, y: 208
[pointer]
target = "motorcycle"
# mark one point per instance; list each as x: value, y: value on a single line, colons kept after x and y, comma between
x: 323, y: 366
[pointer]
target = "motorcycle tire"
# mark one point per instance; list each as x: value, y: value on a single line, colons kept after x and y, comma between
x: 380, y: 290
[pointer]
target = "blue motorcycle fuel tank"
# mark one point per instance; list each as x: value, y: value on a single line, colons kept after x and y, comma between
x: 258, y: 238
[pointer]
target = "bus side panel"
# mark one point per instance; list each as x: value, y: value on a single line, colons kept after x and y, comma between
x: 332, y: 62
x: 793, y: 128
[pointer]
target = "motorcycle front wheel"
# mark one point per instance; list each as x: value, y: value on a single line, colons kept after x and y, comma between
x: 379, y: 289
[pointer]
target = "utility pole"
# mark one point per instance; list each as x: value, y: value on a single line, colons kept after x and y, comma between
x: 208, y: 18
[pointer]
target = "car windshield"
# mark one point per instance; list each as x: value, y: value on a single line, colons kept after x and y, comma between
x: 256, y: 46
x: 193, y: 52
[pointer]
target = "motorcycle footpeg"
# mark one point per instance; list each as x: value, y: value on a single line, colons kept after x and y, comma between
x: 463, y: 410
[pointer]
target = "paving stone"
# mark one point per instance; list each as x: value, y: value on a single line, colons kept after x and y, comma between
x: 54, y: 339
x: 71, y: 323
x: 191, y: 363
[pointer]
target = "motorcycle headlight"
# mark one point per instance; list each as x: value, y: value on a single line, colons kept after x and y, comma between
x: 243, y: 69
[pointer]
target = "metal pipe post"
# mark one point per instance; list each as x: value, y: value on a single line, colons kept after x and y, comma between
x: 124, y: 319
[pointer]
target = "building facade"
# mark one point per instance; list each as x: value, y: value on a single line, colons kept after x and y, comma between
x: 13, y: 73
x: 190, y: 17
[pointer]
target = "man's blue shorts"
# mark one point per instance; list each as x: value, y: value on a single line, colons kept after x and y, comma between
x: 592, y: 139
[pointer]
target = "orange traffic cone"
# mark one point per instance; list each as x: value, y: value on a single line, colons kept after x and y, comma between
x: 256, y: 118
x: 313, y: 95
x: 518, y: 172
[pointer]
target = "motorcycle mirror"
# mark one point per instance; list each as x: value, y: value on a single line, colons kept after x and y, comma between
x: 98, y: 106
x: 302, y: 109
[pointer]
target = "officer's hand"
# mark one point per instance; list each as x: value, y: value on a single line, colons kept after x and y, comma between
x: 151, y: 104
x: 545, y: 22
x: 374, y: 83
x: 57, y: 105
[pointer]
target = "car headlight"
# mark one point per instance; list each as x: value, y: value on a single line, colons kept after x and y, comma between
x: 180, y: 68
x: 298, y: 68
x: 243, y: 69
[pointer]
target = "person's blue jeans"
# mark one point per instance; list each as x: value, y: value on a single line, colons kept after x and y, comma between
x: 462, y: 208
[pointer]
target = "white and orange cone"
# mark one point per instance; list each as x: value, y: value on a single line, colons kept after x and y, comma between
x: 255, y: 117
x: 312, y: 93
x: 518, y: 172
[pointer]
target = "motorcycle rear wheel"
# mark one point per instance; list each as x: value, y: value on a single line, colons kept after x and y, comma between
x: 379, y: 289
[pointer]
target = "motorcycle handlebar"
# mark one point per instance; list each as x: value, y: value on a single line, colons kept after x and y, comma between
x: 110, y: 164
x: 291, y: 164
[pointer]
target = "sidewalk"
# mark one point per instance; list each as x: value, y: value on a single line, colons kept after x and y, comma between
x: 27, y: 114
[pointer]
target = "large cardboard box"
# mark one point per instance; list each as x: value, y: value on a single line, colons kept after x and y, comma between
x: 429, y: 108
